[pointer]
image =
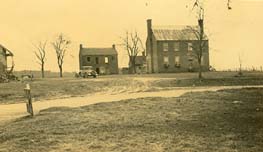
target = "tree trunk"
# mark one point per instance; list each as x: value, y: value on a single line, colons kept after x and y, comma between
x: 60, y: 71
x: 130, y: 65
x: 200, y: 65
x: 134, y: 64
x: 200, y: 71
x: 201, y: 25
x: 42, y: 70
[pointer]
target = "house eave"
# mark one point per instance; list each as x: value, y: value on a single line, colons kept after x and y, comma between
x: 7, y: 52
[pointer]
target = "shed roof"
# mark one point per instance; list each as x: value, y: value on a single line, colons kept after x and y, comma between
x: 98, y: 51
x: 175, y: 33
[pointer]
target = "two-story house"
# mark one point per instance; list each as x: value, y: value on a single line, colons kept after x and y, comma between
x: 103, y: 60
x: 173, y: 49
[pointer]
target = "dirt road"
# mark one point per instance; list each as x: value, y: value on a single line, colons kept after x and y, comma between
x: 12, y: 111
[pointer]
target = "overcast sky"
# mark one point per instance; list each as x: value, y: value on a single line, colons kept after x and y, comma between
x: 101, y: 23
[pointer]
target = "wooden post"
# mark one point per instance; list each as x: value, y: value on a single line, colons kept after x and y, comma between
x: 29, y: 105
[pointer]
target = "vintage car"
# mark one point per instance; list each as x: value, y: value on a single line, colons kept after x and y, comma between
x: 86, y: 72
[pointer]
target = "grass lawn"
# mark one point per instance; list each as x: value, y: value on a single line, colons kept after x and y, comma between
x: 232, y: 81
x: 227, y: 120
x: 51, y: 88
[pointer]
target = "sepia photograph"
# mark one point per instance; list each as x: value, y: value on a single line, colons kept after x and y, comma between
x: 131, y: 76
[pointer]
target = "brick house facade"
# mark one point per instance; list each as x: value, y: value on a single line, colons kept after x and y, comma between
x: 102, y: 60
x: 172, y: 49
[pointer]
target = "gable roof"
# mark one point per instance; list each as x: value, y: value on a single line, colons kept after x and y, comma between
x: 6, y: 51
x: 98, y: 51
x: 163, y: 33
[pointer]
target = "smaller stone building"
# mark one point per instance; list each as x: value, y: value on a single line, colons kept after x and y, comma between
x: 140, y: 63
x: 102, y: 60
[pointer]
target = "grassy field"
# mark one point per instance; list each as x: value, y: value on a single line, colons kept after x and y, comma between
x: 230, y: 120
x: 210, y: 79
x: 206, y: 75
x: 240, y: 81
x: 51, y: 88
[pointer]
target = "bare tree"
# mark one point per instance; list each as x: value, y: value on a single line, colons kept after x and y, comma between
x: 200, y: 36
x: 142, y: 46
x: 41, y: 55
x: 132, y: 44
x: 201, y: 44
x: 61, y: 45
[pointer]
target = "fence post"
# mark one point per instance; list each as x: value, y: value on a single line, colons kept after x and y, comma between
x: 29, y: 105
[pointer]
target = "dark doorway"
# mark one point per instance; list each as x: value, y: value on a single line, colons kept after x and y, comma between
x: 98, y: 70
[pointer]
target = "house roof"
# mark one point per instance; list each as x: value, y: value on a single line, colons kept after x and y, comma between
x: 163, y: 33
x: 8, y: 52
x: 98, y: 51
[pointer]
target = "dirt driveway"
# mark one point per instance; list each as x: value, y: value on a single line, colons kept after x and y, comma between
x: 12, y: 111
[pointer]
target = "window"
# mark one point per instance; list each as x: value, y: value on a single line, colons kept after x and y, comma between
x: 106, y: 59
x: 176, y: 46
x: 88, y: 59
x: 112, y: 58
x: 177, y: 60
x: 165, y: 60
x: 97, y: 60
x: 190, y: 46
x: 165, y: 47
x: 202, y: 60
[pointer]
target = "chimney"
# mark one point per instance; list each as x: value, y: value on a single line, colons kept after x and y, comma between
x: 150, y: 48
x: 113, y: 46
x: 80, y: 46
x: 149, y: 27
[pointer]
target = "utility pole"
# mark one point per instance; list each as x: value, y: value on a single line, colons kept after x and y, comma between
x: 29, y: 105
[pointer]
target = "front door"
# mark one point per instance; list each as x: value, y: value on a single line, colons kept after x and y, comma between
x: 98, y: 70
